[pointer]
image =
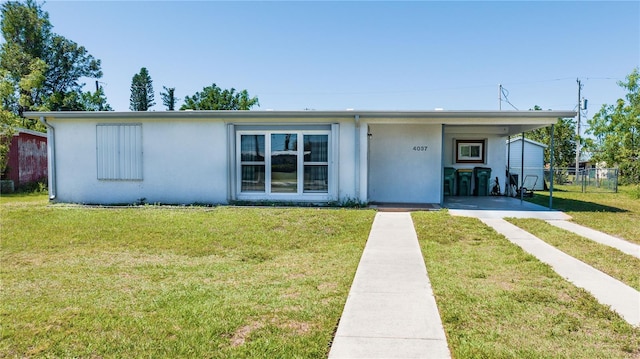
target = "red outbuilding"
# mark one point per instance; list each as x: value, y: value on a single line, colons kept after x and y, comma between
x: 27, y: 157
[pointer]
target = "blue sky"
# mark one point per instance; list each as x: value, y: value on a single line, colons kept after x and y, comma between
x: 363, y: 55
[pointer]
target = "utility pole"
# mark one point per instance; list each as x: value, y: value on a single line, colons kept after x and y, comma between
x: 578, y: 129
x: 507, y: 182
x: 98, y: 95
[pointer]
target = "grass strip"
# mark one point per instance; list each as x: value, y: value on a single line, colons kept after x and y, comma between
x: 612, y: 213
x: 609, y: 260
x: 496, y: 301
x: 171, y: 282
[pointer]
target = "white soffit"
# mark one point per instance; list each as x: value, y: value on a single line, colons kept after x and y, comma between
x: 540, y: 118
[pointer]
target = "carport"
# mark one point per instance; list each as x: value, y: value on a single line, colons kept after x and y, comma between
x: 480, y: 146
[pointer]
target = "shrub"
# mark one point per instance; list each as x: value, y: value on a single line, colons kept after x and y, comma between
x: 39, y: 186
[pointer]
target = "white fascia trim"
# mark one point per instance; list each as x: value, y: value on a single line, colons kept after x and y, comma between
x: 448, y: 117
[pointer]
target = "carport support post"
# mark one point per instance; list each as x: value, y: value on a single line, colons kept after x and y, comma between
x: 507, y: 185
x: 551, y: 171
x: 357, y: 151
x: 522, y: 169
x: 442, y: 167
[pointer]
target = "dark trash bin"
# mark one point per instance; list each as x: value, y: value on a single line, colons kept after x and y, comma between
x: 464, y: 181
x: 482, y: 181
x: 513, y: 179
x: 449, y: 181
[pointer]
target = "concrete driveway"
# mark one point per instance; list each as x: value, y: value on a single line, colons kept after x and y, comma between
x: 499, y: 207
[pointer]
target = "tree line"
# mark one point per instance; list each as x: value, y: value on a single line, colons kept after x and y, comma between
x: 210, y: 98
x: 41, y: 71
x: 614, y: 135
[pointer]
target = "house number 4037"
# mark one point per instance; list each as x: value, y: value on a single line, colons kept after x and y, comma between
x: 420, y: 148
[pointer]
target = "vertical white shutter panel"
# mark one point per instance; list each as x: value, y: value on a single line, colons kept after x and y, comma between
x: 130, y: 152
x: 119, y: 151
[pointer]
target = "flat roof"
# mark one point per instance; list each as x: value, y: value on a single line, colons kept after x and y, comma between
x: 266, y: 114
x: 20, y: 130
x: 513, y: 122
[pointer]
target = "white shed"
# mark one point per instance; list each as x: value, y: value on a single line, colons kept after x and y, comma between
x: 533, y: 161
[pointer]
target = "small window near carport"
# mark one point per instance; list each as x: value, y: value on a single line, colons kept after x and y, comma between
x: 470, y: 151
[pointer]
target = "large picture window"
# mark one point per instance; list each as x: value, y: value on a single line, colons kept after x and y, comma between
x: 273, y: 164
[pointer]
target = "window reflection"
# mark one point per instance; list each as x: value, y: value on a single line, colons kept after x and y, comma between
x: 316, y: 167
x: 284, y: 163
x: 252, y: 163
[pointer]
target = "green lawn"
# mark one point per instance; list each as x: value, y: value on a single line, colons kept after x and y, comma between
x: 496, y: 301
x: 617, y: 264
x: 614, y: 213
x: 265, y: 282
x: 174, y: 282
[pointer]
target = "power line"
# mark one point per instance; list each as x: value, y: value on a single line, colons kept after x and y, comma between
x: 406, y: 91
x: 603, y: 78
x: 538, y: 81
x: 506, y: 96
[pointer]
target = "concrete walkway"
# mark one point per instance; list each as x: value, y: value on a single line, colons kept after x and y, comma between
x: 597, y: 236
x: 607, y: 290
x: 391, y: 311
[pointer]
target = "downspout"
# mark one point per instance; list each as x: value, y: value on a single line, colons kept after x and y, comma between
x: 357, y: 158
x: 51, y: 155
x: 231, y: 164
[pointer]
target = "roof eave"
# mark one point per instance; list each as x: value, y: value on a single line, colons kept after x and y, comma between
x: 444, y: 115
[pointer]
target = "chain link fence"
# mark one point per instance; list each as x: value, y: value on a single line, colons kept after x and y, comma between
x: 584, y: 180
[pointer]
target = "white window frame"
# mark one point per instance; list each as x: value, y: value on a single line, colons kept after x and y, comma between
x: 316, y: 163
x: 300, y: 195
x: 469, y: 143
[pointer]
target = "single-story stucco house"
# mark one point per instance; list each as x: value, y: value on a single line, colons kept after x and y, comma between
x: 218, y: 157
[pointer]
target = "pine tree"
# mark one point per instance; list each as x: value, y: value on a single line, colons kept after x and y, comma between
x: 169, y: 98
x: 141, y: 91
